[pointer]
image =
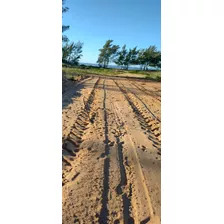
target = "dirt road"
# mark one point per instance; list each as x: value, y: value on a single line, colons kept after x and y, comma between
x: 111, y: 151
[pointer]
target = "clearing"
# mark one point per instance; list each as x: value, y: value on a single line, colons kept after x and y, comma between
x: 111, y: 151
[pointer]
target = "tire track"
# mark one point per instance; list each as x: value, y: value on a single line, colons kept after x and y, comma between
x: 151, y: 125
x: 70, y: 108
x: 71, y: 92
x: 146, y: 107
x: 82, y: 195
x: 152, y: 102
x: 71, y: 144
x: 103, y: 217
x: 147, y: 92
x: 138, y: 191
x: 124, y: 188
x: 108, y: 178
x: 121, y: 189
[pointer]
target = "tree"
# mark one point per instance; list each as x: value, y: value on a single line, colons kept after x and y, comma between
x: 121, y: 55
x: 141, y: 58
x: 149, y: 57
x: 107, y: 53
x: 134, y: 56
x: 155, y: 59
x: 125, y: 58
x: 64, y: 9
x: 72, y: 52
x: 152, y: 56
x: 131, y: 57
x: 64, y: 27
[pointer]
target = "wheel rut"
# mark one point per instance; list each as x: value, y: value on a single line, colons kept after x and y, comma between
x: 137, y: 193
x: 149, y: 124
x: 124, y: 188
x: 104, y: 210
x: 143, y: 103
x: 147, y: 92
x: 137, y: 206
x: 106, y: 178
x: 150, y: 102
x: 73, y: 91
x: 70, y: 144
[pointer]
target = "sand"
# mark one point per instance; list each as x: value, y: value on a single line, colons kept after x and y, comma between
x: 111, y: 151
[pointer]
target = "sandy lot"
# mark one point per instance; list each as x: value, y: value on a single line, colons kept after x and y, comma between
x: 111, y: 152
x: 131, y: 75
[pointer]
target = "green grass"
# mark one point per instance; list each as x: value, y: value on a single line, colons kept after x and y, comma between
x: 155, y: 75
x: 87, y: 70
x: 74, y: 72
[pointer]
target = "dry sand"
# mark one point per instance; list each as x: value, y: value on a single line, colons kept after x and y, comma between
x: 111, y: 151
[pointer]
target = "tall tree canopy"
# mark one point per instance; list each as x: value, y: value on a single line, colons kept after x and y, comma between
x: 124, y: 58
x: 131, y: 57
x: 71, y: 52
x: 107, y: 53
x: 149, y: 57
x: 121, y: 55
x: 64, y: 27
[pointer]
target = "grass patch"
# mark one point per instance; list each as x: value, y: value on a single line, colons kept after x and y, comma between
x: 73, y: 72
x: 154, y: 75
x: 90, y: 70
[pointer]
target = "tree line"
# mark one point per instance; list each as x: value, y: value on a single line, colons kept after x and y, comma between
x: 124, y: 57
x: 71, y: 52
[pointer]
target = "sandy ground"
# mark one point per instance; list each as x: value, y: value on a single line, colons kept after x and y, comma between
x: 131, y: 75
x: 111, y: 151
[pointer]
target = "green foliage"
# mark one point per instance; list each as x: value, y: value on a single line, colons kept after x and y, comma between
x: 125, y: 58
x: 143, y: 57
x: 65, y: 39
x: 155, y: 59
x: 107, y: 53
x: 121, y: 55
x: 64, y: 9
x: 64, y: 27
x: 149, y: 57
x: 131, y: 57
x: 72, y: 52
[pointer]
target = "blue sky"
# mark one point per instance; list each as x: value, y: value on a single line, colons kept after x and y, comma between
x: 130, y: 22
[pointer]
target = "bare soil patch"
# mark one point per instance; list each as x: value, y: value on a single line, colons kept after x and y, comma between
x: 111, y: 151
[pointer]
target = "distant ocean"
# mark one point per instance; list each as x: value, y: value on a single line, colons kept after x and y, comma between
x: 115, y: 66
